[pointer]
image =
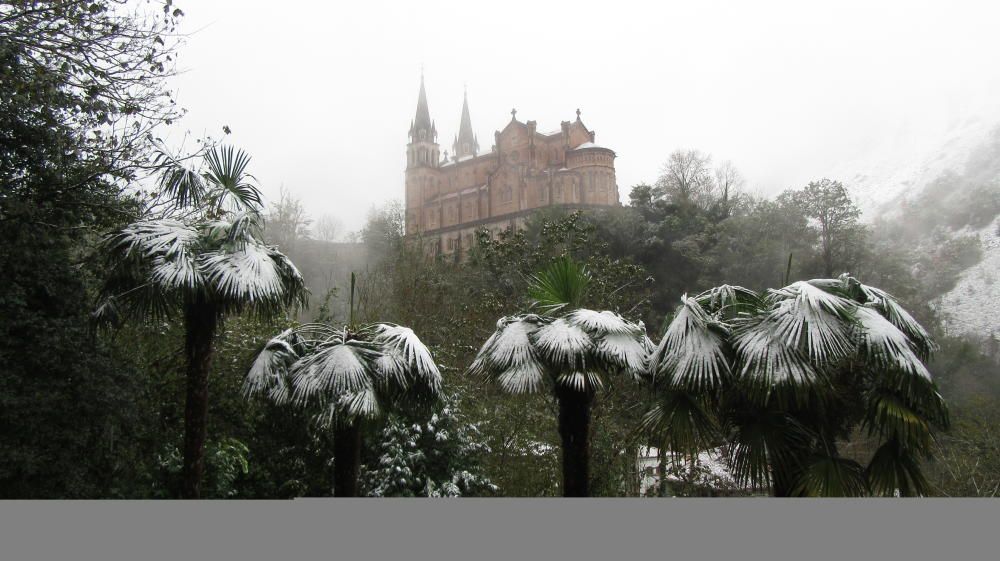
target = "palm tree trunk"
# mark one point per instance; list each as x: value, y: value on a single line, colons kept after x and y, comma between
x: 346, y: 459
x: 574, y: 429
x: 200, y: 321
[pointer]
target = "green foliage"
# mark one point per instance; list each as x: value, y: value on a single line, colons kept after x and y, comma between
x: 70, y: 411
x: 563, y: 285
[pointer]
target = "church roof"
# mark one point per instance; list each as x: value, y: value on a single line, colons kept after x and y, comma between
x: 586, y: 145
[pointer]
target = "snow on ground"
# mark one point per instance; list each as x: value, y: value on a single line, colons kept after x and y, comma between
x: 973, y: 306
x: 713, y: 469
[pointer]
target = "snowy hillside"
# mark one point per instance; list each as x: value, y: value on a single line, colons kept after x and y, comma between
x: 901, y: 167
x: 899, y: 170
x: 974, y: 304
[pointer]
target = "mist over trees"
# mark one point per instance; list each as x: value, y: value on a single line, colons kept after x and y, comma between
x: 100, y: 223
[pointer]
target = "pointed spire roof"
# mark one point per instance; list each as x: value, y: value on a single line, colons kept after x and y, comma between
x: 466, y: 144
x: 423, y: 118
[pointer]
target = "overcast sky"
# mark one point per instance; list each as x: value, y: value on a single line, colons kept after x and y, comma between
x: 322, y: 93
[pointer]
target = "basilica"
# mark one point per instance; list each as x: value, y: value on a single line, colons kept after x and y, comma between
x: 451, y: 195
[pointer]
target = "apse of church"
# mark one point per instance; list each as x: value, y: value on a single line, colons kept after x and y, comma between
x: 451, y: 195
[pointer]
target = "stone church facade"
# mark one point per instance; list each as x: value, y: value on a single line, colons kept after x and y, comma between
x: 450, y: 197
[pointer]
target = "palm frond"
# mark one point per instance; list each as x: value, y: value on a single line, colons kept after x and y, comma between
x: 886, y: 346
x: 763, y: 443
x: 526, y: 377
x: 509, y: 358
x: 560, y: 285
x: 581, y: 381
x: 681, y: 422
x: 237, y: 230
x: 227, y: 170
x: 808, y: 317
x: 153, y: 238
x: 600, y: 323
x: 269, y: 373
x: 900, y: 318
x: 415, y: 358
x: 563, y: 345
x: 894, y: 469
x: 151, y: 263
x: 889, y: 416
x: 181, y: 183
x: 729, y: 301
x: 624, y: 352
x: 333, y: 370
x: 692, y: 353
x: 767, y: 359
x: 243, y: 275
x: 360, y: 404
x: 828, y: 476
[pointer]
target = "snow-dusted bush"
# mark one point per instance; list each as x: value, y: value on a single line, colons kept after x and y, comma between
x: 437, y: 457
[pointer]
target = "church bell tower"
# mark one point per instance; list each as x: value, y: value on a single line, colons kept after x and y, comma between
x: 422, y: 162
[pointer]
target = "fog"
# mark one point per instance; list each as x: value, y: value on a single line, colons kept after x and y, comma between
x: 322, y: 94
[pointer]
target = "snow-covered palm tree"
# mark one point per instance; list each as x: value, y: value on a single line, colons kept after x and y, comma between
x: 568, y: 350
x: 352, y: 374
x: 198, y: 254
x: 782, y: 378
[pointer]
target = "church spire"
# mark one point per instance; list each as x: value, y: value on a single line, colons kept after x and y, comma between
x: 466, y: 143
x: 422, y: 121
x: 422, y: 151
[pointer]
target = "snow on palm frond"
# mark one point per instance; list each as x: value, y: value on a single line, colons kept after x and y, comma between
x: 404, y: 345
x: 526, y: 377
x: 168, y: 247
x: 154, y: 238
x: 238, y: 230
x: 178, y: 271
x: 768, y: 358
x: 899, y: 317
x: 886, y: 345
x: 333, y: 370
x: 623, y: 351
x: 647, y: 344
x: 513, y: 345
x: 564, y: 345
x: 808, y: 317
x: 509, y: 357
x: 269, y: 371
x: 244, y: 274
x: 619, y: 344
x: 728, y: 300
x: 363, y: 403
x: 692, y: 351
x: 580, y: 381
x: 391, y: 369
x: 350, y: 373
x: 600, y: 322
